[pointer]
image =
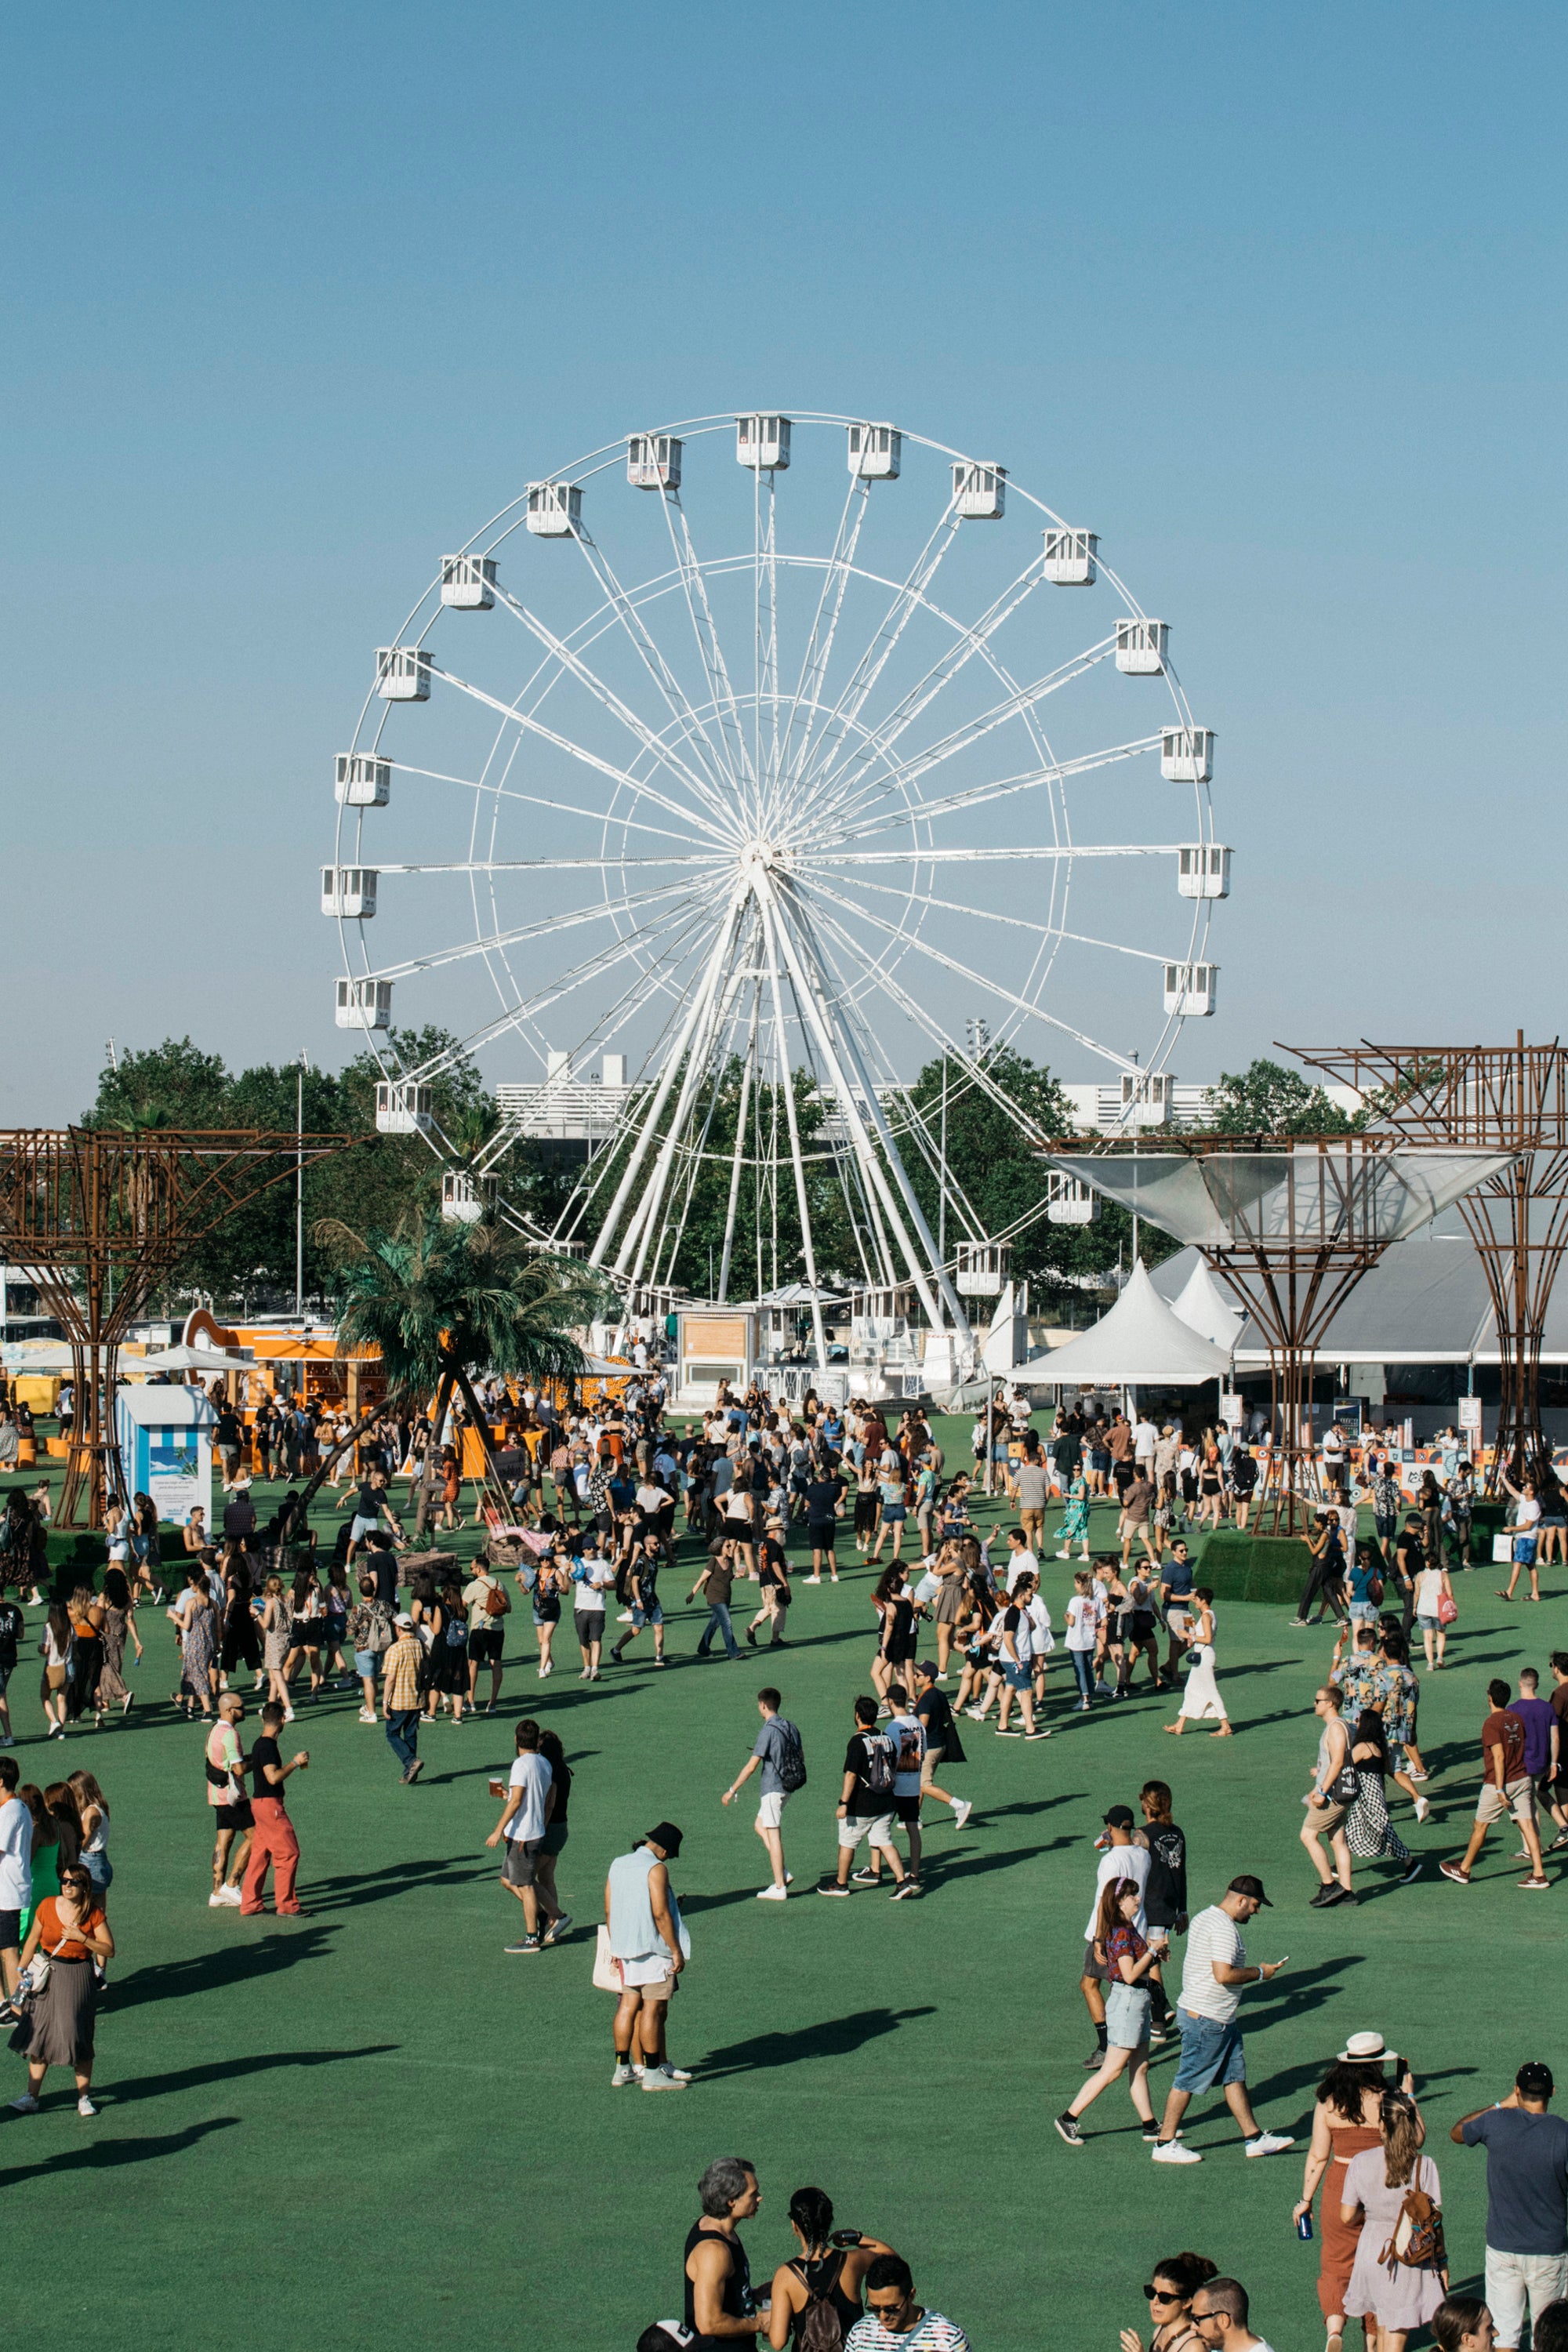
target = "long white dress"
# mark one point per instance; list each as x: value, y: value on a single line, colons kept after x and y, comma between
x: 1201, y: 1700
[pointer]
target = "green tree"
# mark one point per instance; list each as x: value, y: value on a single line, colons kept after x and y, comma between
x: 1267, y: 1098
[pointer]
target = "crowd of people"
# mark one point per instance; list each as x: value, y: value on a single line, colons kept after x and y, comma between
x: 586, y: 1511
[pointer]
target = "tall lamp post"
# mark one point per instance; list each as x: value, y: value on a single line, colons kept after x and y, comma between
x: 300, y: 1187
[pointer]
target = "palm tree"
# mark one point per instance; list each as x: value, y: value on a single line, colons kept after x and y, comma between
x: 441, y: 1299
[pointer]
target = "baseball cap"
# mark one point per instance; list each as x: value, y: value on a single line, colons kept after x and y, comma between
x: 1534, y: 2080
x: 1119, y: 1817
x: 1251, y: 1888
x: 403, y: 1618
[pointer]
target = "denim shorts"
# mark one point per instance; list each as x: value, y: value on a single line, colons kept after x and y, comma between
x: 1525, y: 1551
x: 654, y: 1616
x: 1017, y: 1677
x: 365, y: 1664
x: 1362, y: 1612
x: 1127, y: 2016
x: 1212, y: 2054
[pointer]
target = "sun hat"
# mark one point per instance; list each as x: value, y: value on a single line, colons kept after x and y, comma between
x: 1361, y: 2047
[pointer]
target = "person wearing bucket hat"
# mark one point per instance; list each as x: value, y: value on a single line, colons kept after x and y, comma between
x: 648, y: 1939
x: 1215, y: 1969
x: 1345, y: 2123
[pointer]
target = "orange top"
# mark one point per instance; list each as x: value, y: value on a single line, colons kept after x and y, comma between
x: 50, y: 1932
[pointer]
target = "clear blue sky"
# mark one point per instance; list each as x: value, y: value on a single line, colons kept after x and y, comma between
x: 297, y: 295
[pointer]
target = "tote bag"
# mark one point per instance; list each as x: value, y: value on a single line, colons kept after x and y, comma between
x: 606, y: 1967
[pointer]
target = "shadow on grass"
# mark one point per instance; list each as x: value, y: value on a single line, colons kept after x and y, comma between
x: 835, y: 2037
x: 263, y: 1954
x: 105, y: 2155
x: 227, y: 2070
x: 977, y: 1866
x: 351, y: 1893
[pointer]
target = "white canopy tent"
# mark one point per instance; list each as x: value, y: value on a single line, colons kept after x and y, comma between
x: 1209, y: 1306
x: 1141, y: 1342
x: 188, y: 1360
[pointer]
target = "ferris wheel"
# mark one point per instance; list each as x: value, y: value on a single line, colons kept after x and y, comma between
x: 787, y: 765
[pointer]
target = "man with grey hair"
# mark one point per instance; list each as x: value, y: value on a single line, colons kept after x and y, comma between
x: 720, y: 2302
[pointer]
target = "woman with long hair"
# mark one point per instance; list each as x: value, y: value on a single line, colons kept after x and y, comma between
x: 241, y: 1640
x: 826, y: 2270
x: 275, y: 1640
x: 192, y: 1617
x: 1345, y: 2125
x: 1201, y: 1699
x: 896, y: 1649
x: 1119, y: 1948
x: 1170, y: 2299
x: 55, y: 1649
x: 307, y: 1621
x: 87, y: 1654
x: 448, y: 1684
x: 118, y: 1627
x: 92, y: 1814
x: 1387, y: 2286
x: 70, y: 1931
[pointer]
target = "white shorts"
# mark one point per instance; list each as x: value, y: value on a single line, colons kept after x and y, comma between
x: 855, y: 1826
x: 646, y: 1972
x: 770, y: 1810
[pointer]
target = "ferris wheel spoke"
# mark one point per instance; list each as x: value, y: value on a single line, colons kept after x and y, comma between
x: 1066, y: 853
x: 1021, y: 704
x: 969, y: 642
x: 821, y: 638
x: 547, y: 927
x: 1003, y: 788
x: 694, y: 586
x: 1017, y: 922
x: 977, y: 980
x: 664, y: 678
x: 553, y: 864
x: 908, y: 598
x: 539, y: 799
x: 574, y: 750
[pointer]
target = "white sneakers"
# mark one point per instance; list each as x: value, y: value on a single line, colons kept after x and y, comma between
x: 1270, y: 2143
x: 962, y: 1809
x: 84, y: 2105
x: 664, y: 2078
x: 367, y: 1714
x: 225, y: 1898
x: 773, y: 1893
x: 1171, y: 2151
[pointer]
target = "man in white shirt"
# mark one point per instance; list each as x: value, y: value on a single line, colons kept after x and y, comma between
x: 1213, y: 1970
x: 529, y: 1801
x: 15, y: 1871
x: 1119, y: 1858
x: 1021, y: 1560
x: 1145, y: 1439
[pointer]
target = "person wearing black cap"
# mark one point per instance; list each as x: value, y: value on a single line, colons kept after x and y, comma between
x: 1214, y: 1970
x: 652, y: 1945
x: 1119, y: 1858
x: 1527, y: 2202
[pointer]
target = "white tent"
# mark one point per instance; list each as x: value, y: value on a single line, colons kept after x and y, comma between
x: 1209, y: 1306
x: 187, y: 1359
x: 1141, y: 1342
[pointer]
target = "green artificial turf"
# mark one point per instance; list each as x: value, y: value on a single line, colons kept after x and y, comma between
x: 372, y: 2125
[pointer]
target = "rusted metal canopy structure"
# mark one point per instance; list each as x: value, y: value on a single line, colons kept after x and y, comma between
x: 1290, y: 1224
x: 105, y: 1216
x: 1511, y: 1098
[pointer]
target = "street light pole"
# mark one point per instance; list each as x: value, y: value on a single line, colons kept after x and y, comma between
x: 300, y: 1187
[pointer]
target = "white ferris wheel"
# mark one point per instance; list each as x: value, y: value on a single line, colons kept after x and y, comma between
x: 790, y: 764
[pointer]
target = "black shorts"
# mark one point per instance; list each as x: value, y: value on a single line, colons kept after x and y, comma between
x: 907, y: 1809
x: 486, y: 1644
x: 10, y: 1931
x: 235, y: 1817
x: 821, y: 1537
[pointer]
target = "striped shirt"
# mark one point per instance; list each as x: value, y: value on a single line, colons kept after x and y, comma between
x: 931, y: 2333
x: 1212, y: 1936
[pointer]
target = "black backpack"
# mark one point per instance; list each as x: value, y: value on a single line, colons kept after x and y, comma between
x: 791, y: 1763
x: 820, y: 2327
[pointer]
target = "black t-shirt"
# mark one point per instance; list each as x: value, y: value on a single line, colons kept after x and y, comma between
x: 264, y: 1751
x: 239, y: 1517
x: 773, y: 1565
x: 369, y: 1500
x: 823, y: 1496
x: 936, y: 1714
x: 1165, y: 1894
x: 1409, y: 1553
x: 864, y: 1800
x: 381, y: 1562
x: 1243, y: 1472
x: 12, y: 1626
x: 227, y: 1431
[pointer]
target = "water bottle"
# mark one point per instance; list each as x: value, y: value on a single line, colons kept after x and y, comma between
x: 1304, y: 2226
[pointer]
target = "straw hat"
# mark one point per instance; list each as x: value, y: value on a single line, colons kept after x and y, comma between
x: 1363, y: 2047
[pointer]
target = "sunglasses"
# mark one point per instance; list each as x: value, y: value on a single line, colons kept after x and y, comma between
x: 1160, y: 2294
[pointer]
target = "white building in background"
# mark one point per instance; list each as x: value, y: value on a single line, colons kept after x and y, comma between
x: 561, y: 1109
x: 1144, y: 1099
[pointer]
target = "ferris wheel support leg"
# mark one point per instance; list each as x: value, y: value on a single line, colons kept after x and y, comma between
x: 645, y: 1220
x: 736, y: 1164
x: 661, y: 1096
x: 771, y: 940
x: 921, y: 1271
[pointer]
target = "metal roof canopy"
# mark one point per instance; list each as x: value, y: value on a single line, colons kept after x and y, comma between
x: 1290, y: 1224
